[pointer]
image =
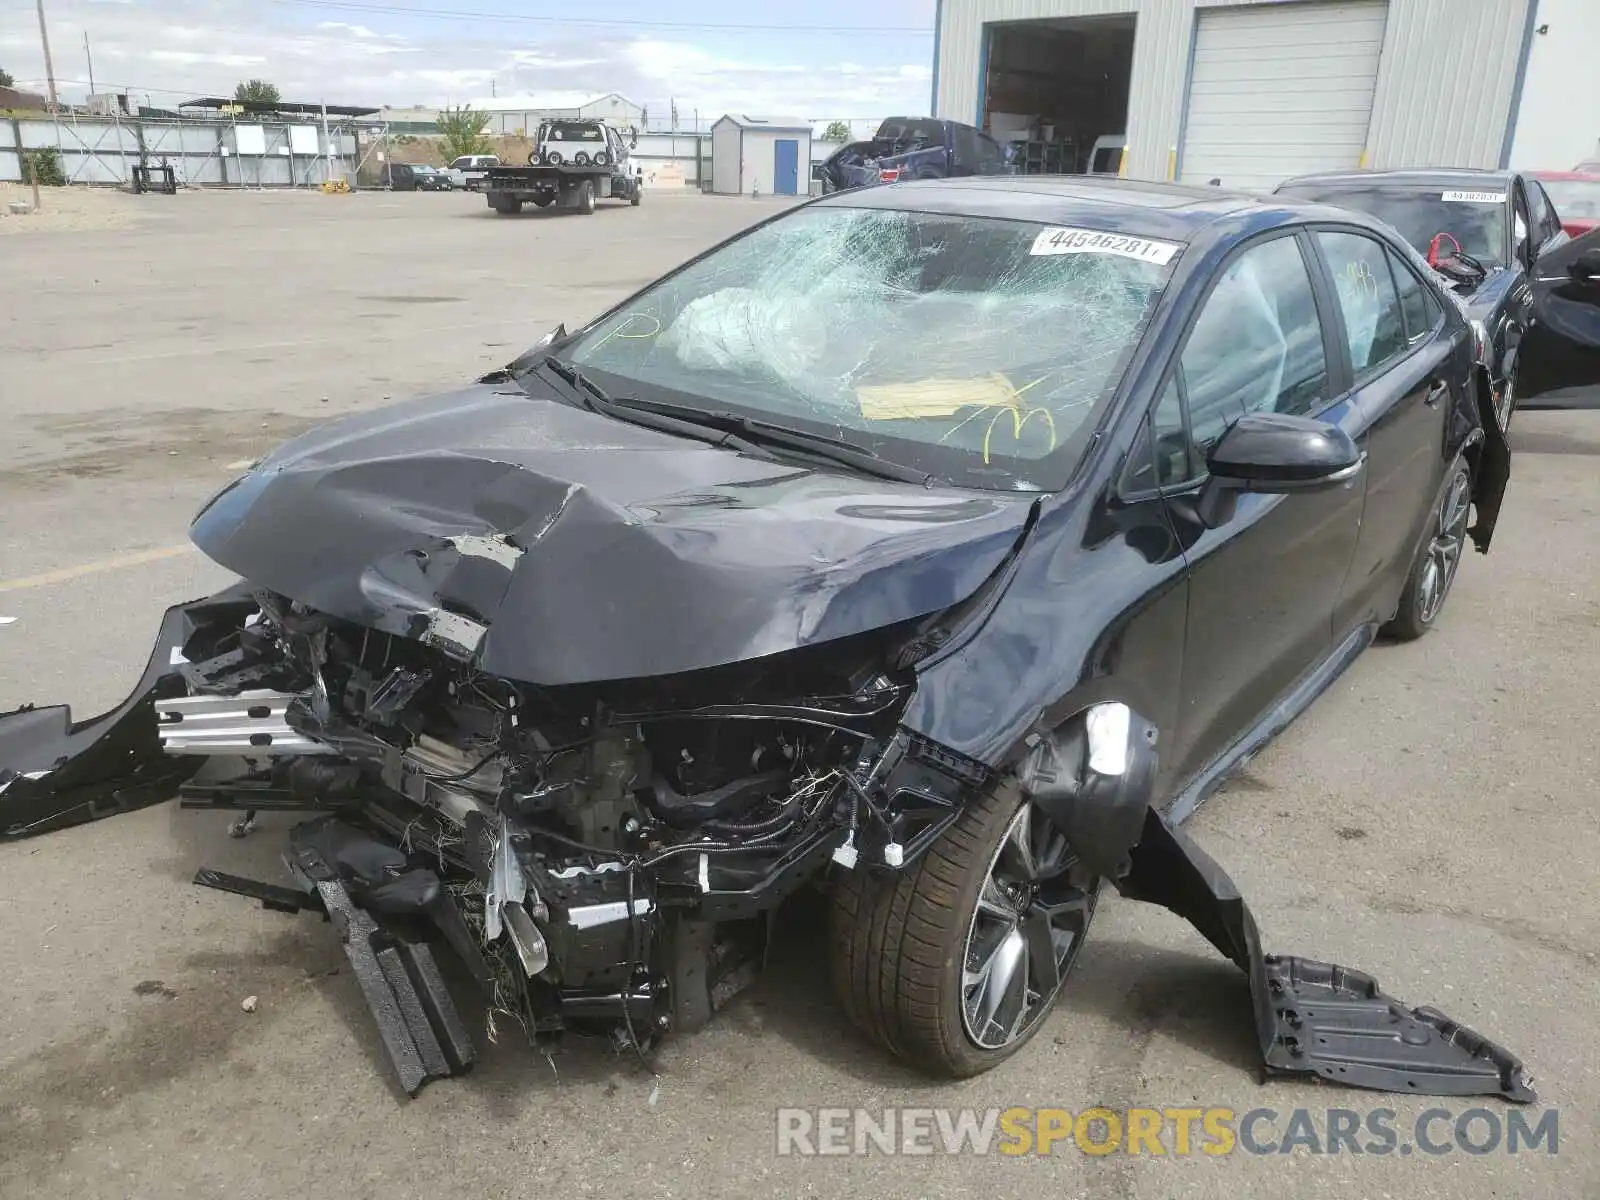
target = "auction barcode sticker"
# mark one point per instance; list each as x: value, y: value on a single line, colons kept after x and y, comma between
x: 1476, y: 197
x: 1090, y: 241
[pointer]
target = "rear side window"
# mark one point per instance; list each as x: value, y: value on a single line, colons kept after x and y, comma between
x: 1418, y: 307
x: 1374, y: 330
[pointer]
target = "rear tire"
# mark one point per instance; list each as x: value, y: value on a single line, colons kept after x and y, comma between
x: 506, y: 205
x: 1433, y: 568
x: 914, y: 954
x: 585, y: 198
x: 637, y: 195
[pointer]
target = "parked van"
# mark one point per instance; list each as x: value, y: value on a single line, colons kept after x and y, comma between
x: 467, y: 171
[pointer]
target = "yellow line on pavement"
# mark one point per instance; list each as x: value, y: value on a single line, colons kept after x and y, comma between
x: 67, y: 574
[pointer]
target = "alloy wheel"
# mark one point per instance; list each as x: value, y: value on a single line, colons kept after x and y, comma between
x: 1444, y: 549
x: 1029, y: 922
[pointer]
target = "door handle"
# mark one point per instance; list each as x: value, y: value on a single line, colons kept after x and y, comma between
x: 1436, y: 393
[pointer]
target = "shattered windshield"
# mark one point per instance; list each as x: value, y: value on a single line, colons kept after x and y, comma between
x: 1474, y: 219
x: 975, y: 349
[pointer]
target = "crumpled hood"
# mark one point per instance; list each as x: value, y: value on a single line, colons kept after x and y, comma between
x: 553, y: 545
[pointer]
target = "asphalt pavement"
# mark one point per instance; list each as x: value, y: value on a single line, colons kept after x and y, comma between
x: 1432, y: 819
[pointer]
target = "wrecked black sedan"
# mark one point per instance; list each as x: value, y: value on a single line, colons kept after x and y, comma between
x: 942, y: 545
x: 1497, y: 241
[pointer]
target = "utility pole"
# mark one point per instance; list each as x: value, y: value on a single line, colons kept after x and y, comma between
x: 88, y: 55
x: 49, y: 70
x: 327, y: 139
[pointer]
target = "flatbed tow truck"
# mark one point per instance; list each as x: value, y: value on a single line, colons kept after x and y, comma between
x: 573, y: 164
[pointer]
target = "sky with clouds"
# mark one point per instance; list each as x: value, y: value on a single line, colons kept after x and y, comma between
x: 851, y: 59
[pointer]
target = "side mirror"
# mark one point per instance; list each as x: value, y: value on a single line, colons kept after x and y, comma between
x: 1272, y: 454
x: 1587, y: 265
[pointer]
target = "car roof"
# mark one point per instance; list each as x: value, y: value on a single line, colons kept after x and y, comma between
x: 1440, y: 177
x: 1136, y: 207
x: 1568, y: 176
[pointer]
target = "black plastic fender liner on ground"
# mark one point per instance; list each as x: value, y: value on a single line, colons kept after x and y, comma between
x: 1316, y: 1018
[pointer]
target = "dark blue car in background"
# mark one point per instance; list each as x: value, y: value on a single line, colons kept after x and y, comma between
x: 914, y: 148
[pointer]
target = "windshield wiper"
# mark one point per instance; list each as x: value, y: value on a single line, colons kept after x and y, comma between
x: 783, y: 437
x: 591, y: 397
x: 587, y: 390
x: 730, y: 429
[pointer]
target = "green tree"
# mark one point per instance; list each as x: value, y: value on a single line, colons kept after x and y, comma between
x: 462, y: 131
x: 5, y: 78
x: 837, y: 131
x: 256, y: 91
x: 43, y: 166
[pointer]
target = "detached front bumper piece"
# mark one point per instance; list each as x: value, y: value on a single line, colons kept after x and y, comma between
x: 55, y: 773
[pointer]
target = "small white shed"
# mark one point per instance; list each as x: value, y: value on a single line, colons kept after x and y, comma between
x: 771, y: 157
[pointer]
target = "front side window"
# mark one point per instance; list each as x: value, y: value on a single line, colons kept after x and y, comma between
x: 1374, y: 328
x: 1545, y: 225
x: 1436, y: 218
x: 571, y: 131
x: 1106, y: 160
x: 1257, y: 344
x: 978, y: 349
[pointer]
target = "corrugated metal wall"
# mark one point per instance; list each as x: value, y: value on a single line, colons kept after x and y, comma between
x: 99, y: 150
x: 1445, y: 86
x: 1443, y: 95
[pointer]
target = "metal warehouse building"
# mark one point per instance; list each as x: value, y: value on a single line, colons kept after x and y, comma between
x: 1250, y: 93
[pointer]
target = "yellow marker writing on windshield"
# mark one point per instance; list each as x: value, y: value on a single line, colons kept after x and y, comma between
x: 1019, y: 422
x: 622, y: 326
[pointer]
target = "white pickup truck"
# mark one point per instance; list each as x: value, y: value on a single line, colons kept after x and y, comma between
x: 467, y: 171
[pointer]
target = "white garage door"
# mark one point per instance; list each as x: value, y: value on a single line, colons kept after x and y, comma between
x: 1280, y: 90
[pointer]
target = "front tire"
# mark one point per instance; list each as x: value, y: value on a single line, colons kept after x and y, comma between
x: 1433, y: 570
x: 955, y: 963
x: 585, y: 198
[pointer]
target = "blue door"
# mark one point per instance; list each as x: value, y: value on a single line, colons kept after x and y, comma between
x: 786, y: 167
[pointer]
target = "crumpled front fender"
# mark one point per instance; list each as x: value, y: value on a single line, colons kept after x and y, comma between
x: 55, y: 772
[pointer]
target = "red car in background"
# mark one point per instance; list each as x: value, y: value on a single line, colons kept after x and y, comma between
x: 1576, y: 196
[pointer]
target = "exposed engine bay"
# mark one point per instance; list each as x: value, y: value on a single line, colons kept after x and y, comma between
x: 595, y: 859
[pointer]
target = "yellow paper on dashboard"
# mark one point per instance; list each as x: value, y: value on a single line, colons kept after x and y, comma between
x: 926, y: 399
